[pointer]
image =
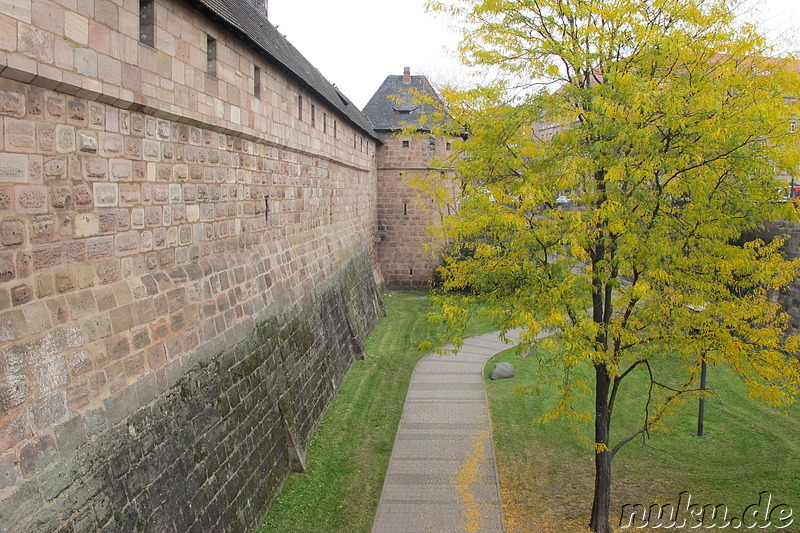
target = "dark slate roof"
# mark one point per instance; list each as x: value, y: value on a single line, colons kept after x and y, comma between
x: 393, y: 107
x: 251, y: 25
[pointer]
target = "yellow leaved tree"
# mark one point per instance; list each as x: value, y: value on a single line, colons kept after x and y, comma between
x: 662, y: 124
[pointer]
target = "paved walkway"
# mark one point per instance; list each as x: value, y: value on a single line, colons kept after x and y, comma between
x: 442, y: 475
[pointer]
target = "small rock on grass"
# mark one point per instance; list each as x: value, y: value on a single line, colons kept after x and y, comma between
x: 502, y: 371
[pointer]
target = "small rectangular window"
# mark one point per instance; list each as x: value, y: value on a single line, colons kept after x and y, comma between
x: 405, y: 144
x: 313, y: 116
x: 211, y: 56
x: 448, y: 147
x: 300, y: 108
x: 324, y: 123
x: 334, y: 128
x: 257, y: 82
x: 147, y: 22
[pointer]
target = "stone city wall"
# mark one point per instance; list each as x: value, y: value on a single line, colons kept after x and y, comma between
x: 186, y: 271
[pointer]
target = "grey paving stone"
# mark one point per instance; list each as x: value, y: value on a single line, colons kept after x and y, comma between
x: 442, y: 474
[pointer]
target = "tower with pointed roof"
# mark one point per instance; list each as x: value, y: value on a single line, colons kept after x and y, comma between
x: 404, y: 213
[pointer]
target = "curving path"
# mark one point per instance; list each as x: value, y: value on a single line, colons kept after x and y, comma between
x: 442, y: 475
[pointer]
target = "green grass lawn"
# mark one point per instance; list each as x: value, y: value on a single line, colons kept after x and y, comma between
x: 349, y: 452
x: 547, y: 473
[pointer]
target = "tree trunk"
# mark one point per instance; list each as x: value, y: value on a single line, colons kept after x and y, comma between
x: 602, y: 464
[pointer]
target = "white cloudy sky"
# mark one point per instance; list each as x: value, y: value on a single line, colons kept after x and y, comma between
x: 357, y: 43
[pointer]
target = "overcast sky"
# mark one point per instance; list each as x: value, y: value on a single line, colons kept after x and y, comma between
x: 357, y: 43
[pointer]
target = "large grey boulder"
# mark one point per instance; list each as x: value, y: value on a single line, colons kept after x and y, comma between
x: 502, y: 371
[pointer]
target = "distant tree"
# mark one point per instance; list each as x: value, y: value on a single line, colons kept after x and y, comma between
x: 667, y: 121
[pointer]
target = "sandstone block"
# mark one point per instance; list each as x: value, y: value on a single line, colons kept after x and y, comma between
x: 31, y: 199
x: 129, y: 194
x: 97, y: 115
x: 76, y: 27
x: 99, y: 248
x: 47, y: 411
x: 12, y: 232
x: 7, y: 268
x: 85, y: 61
x: 20, y: 135
x: 153, y: 216
x: 147, y: 241
x: 95, y: 169
x: 133, y: 147
x: 83, y: 196
x: 127, y: 243
x: 108, y: 271
x: 45, y: 286
x: 54, y: 106
x: 61, y: 197
x: 86, y: 224
x: 46, y: 135
x: 50, y: 374
x: 87, y: 141
x: 46, y: 228
x: 112, y: 145
x: 13, y: 168
x: 161, y: 193
x: 76, y: 112
x: 123, y: 220
x: 120, y: 170
x: 14, y: 390
x: 36, y: 455
x: 65, y: 138
x: 106, y: 194
x: 24, y: 264
x: 12, y: 103
x: 55, y: 168
x: 180, y: 172
x: 65, y: 279
x: 137, y: 218
x: 9, y: 470
x: 36, y: 43
x: 159, y: 239
x: 151, y: 151
x: 21, y: 294
x: 97, y: 327
x: 6, y: 197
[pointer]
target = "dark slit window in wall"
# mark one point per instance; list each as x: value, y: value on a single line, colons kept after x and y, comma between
x: 257, y: 82
x: 324, y: 123
x: 211, y: 56
x: 300, y: 108
x: 147, y: 22
x: 313, y: 116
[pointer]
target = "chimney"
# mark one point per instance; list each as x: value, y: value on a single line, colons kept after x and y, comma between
x: 407, y: 75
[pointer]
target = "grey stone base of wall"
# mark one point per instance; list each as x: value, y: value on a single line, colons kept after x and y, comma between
x: 209, y: 449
